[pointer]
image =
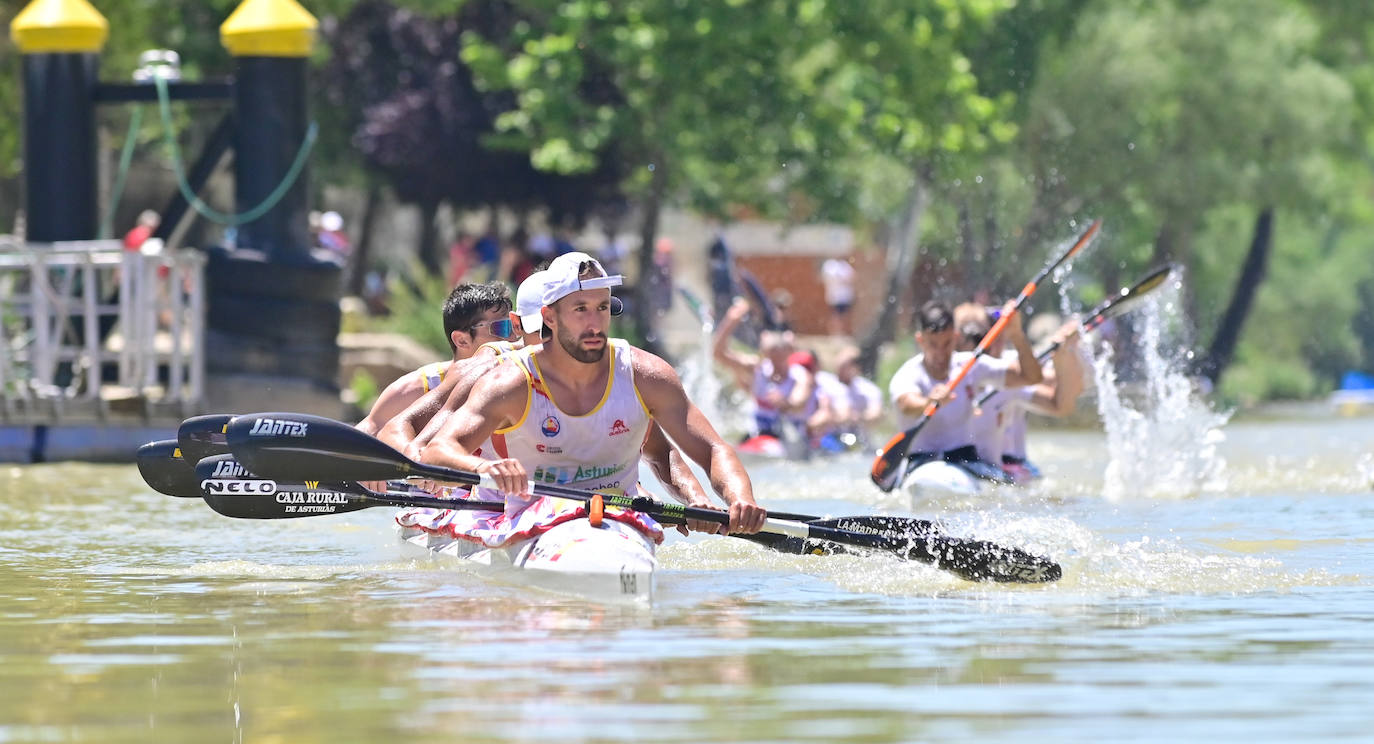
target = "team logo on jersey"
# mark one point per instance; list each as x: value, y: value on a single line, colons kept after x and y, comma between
x: 550, y: 426
x: 619, y: 427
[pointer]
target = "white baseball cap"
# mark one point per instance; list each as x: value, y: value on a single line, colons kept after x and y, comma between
x: 562, y: 279
x: 529, y: 298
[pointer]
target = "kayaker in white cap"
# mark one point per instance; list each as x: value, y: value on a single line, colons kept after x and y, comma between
x: 576, y: 410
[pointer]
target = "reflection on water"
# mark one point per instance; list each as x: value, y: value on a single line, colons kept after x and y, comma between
x: 1244, y: 613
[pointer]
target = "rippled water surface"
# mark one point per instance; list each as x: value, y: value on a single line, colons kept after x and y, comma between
x: 1239, y: 608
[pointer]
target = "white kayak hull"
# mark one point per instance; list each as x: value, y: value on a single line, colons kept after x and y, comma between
x: 613, y: 563
x: 938, y: 479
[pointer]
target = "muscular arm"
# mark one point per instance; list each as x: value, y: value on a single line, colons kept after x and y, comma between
x: 414, y: 429
x: 1026, y: 369
x: 741, y: 365
x: 1058, y: 397
x: 662, y: 394
x: 672, y: 470
x: 393, y: 400
x: 401, y: 429
x: 497, y: 400
x: 676, y: 475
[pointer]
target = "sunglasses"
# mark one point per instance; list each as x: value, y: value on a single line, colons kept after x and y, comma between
x: 501, y: 328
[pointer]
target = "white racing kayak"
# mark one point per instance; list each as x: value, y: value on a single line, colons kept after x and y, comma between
x: 613, y: 563
x: 938, y: 479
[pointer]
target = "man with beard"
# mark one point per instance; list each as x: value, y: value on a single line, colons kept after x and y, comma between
x: 575, y: 412
x: 413, y: 429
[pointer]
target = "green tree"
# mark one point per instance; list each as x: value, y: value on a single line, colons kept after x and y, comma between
x: 894, y: 84
x: 1125, y: 122
x: 695, y: 96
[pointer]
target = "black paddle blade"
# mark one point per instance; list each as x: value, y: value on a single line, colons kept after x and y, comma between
x: 887, y: 466
x: 976, y: 560
x: 162, y: 467
x: 1127, y: 300
x: 203, y: 436
x: 297, y: 446
x: 232, y: 490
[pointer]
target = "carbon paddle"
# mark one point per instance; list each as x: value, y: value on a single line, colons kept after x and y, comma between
x: 234, y: 491
x: 312, y: 498
x: 162, y: 467
x: 289, y: 446
x: 887, y: 466
x: 1127, y: 300
x: 203, y: 436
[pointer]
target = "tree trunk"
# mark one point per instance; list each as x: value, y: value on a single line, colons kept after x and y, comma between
x: 1252, y: 273
x: 362, y: 252
x: 973, y: 270
x: 428, y: 249
x: 901, y: 257
x: 643, y: 308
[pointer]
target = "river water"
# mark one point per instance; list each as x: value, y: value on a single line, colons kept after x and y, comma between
x: 1240, y: 608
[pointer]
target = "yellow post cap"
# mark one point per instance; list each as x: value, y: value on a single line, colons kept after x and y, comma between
x: 268, y: 28
x: 46, y: 26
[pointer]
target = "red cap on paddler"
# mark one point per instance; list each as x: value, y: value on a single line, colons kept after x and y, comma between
x: 804, y: 359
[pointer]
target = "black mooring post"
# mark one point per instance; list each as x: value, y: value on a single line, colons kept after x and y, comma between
x: 270, y: 121
x: 60, y: 43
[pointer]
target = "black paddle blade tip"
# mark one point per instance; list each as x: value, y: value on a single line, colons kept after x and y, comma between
x: 978, y: 560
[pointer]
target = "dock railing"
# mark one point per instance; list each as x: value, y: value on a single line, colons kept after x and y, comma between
x: 88, y: 328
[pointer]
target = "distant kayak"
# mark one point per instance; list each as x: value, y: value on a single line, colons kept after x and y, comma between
x: 767, y: 446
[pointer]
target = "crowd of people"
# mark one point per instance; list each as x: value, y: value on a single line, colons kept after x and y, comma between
x: 794, y: 398
x: 980, y: 425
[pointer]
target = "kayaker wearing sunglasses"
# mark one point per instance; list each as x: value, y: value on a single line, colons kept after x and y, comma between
x: 474, y: 315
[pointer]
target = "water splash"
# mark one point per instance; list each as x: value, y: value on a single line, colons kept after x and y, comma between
x: 1162, y: 436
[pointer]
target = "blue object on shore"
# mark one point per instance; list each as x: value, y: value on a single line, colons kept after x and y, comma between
x: 1353, y: 380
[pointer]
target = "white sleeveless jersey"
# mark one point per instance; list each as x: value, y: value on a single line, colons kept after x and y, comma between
x: 1000, y: 426
x: 597, y: 451
x: 500, y: 347
x: 431, y: 375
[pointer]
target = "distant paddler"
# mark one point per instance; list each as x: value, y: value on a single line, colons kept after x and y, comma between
x: 576, y: 412
x: 926, y: 377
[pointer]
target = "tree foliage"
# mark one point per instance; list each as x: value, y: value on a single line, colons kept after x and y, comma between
x: 970, y: 133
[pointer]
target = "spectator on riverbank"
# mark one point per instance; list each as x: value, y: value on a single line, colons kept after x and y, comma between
x: 837, y: 275
x: 143, y: 228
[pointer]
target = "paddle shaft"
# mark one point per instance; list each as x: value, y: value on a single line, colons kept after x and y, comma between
x: 1110, y: 308
x: 167, y: 472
